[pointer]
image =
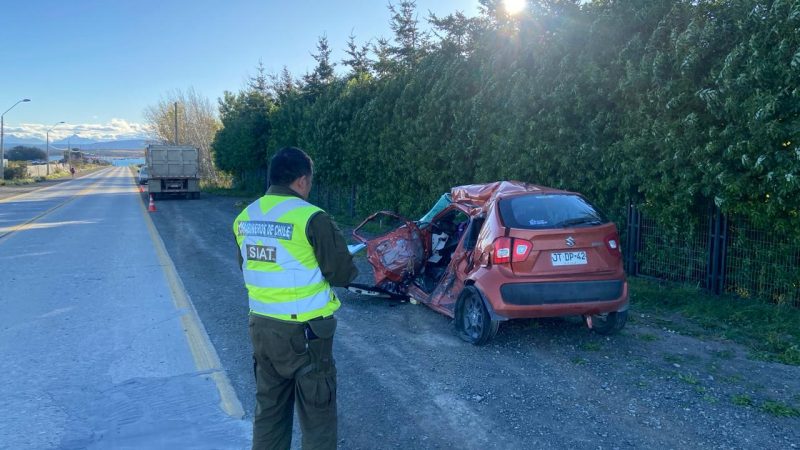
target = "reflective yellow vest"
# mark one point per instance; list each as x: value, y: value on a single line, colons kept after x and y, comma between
x: 281, y: 272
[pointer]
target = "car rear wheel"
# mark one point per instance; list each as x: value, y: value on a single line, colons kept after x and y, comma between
x: 609, y: 323
x: 473, y: 322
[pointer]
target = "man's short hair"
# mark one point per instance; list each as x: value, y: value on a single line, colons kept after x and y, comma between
x: 289, y: 164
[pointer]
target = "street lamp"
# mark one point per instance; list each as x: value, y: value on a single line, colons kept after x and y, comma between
x: 2, y: 124
x: 48, y: 145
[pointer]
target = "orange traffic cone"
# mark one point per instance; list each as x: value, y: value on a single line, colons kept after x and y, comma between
x: 152, y: 207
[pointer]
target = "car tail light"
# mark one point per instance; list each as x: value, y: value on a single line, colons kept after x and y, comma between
x: 502, y: 250
x: 506, y: 250
x: 521, y: 248
x: 612, y: 242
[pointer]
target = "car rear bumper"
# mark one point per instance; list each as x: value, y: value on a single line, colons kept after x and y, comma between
x: 560, y: 293
x: 553, y: 299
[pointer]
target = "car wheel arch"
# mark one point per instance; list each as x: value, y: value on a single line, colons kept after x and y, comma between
x: 492, y: 313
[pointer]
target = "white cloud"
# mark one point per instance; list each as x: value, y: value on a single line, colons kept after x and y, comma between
x: 114, y: 130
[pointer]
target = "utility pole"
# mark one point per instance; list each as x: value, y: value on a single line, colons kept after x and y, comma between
x: 177, y: 141
x: 48, y: 145
x: 2, y: 147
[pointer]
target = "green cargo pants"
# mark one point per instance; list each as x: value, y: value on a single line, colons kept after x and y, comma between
x: 293, y: 366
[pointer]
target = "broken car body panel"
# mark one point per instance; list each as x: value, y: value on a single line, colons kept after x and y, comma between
x: 531, y: 251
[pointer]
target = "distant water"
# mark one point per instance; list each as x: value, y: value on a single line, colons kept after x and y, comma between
x: 115, y: 161
x: 126, y: 161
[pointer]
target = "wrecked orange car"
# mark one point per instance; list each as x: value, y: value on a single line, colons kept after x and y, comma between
x: 487, y: 253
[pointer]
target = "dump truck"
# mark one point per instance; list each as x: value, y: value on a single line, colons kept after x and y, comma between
x: 173, y: 169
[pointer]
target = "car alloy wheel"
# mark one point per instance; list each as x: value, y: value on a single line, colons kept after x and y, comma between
x: 473, y: 322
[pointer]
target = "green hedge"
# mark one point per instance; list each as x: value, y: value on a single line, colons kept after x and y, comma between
x: 670, y: 104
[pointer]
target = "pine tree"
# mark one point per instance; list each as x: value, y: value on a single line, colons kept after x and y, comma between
x: 260, y: 81
x: 323, y: 73
x: 357, y: 60
x: 410, y: 42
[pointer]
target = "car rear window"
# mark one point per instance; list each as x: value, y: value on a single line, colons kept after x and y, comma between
x: 540, y: 211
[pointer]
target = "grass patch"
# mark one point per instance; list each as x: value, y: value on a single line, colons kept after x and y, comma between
x: 688, y: 379
x: 591, y: 346
x: 17, y: 182
x: 779, y: 409
x: 577, y: 360
x: 724, y: 354
x: 769, y: 330
x: 673, y: 358
x: 647, y: 337
x: 664, y: 323
x: 230, y: 192
x: 742, y: 400
x: 733, y: 379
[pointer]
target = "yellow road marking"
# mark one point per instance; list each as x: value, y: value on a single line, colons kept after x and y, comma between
x: 29, y: 223
x: 203, y: 352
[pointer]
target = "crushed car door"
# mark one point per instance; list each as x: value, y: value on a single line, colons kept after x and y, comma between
x: 396, y: 249
x: 447, y: 267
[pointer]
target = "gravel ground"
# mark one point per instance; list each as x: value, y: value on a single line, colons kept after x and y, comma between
x: 407, y: 381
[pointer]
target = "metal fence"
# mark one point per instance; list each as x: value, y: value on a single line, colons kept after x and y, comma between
x: 719, y: 253
x: 761, y: 262
x: 339, y: 202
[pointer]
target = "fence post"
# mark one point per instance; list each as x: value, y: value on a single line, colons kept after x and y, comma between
x: 633, y: 239
x: 723, y: 254
x: 717, y: 250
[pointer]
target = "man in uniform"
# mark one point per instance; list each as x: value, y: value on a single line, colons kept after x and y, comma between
x: 291, y: 253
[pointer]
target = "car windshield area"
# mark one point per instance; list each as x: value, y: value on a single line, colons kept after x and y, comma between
x: 542, y: 211
x: 443, y: 202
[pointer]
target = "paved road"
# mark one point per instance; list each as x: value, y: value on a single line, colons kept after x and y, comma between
x: 406, y: 380
x: 100, y: 346
x: 6, y: 192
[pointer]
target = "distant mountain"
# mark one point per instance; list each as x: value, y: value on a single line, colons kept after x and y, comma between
x: 10, y: 139
x: 123, y: 144
x: 74, y: 140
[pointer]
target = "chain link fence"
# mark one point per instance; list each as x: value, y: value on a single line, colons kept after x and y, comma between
x: 719, y: 253
x: 762, y: 262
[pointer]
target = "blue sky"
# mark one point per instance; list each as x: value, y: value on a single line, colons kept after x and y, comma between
x: 96, y: 64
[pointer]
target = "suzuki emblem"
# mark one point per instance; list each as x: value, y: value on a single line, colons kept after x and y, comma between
x: 570, y: 241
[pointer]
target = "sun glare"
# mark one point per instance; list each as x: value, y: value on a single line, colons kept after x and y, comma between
x: 514, y: 6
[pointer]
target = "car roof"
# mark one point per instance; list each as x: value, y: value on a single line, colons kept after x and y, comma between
x: 482, y: 194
